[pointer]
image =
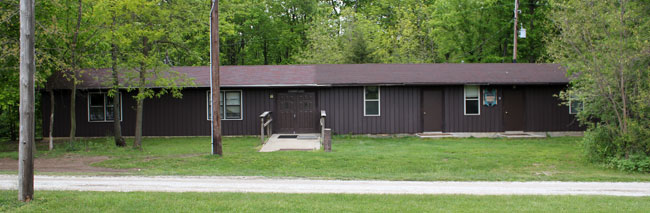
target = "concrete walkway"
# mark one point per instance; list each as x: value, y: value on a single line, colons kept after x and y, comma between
x: 303, y: 142
x: 260, y: 184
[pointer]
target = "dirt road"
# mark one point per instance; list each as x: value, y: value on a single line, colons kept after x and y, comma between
x: 66, y: 163
x: 260, y: 184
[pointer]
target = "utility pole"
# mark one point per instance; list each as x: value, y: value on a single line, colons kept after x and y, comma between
x: 214, y: 76
x: 26, y: 108
x: 514, y: 47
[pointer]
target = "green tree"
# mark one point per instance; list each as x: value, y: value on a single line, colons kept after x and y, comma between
x: 472, y: 30
x: 9, y: 29
x: 47, y: 59
x: 108, y: 12
x: 606, y: 47
x: 71, y: 36
x: 324, y: 41
x: 146, y: 39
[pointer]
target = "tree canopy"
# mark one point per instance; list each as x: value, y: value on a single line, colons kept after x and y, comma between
x: 606, y: 47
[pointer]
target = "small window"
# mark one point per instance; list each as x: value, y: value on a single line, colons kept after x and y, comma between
x: 472, y: 100
x: 101, y: 107
x: 232, y: 108
x: 371, y: 101
x: 575, y: 106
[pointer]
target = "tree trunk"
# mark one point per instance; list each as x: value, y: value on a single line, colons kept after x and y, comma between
x: 51, y: 119
x: 137, y: 142
x: 117, y: 126
x: 73, y: 111
x: 117, y: 110
x: 73, y: 63
x: 265, y: 51
x: 117, y: 105
x: 26, y: 107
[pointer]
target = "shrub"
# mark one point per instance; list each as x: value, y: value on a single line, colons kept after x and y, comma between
x: 638, y: 163
x: 628, y: 152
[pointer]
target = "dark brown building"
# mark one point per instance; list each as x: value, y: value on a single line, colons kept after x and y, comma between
x: 358, y: 99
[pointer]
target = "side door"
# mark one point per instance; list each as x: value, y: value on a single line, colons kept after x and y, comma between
x: 432, y: 110
x: 513, y: 109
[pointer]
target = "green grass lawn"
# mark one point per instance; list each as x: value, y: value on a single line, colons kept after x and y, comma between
x: 66, y: 201
x: 357, y: 157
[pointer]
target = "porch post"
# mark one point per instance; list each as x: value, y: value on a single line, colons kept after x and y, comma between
x: 262, y: 130
x: 327, y: 140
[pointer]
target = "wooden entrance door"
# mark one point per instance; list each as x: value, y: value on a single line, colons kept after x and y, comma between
x: 432, y: 110
x: 513, y: 109
x: 297, y: 113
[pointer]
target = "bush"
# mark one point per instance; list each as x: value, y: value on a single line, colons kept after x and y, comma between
x: 637, y: 163
x: 627, y: 152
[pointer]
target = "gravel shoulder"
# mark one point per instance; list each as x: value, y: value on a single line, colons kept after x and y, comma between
x: 277, y: 185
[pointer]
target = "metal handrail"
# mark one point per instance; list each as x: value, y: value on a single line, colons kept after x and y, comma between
x: 265, y: 121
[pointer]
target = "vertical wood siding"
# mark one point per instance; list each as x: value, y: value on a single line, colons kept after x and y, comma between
x: 489, y: 120
x: 256, y: 101
x: 165, y: 116
x: 399, y: 111
x: 544, y: 112
x: 84, y: 128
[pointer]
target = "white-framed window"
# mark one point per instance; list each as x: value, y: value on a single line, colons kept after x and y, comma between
x: 233, y: 105
x: 472, y: 100
x: 575, y: 106
x: 371, y: 97
x: 101, y: 107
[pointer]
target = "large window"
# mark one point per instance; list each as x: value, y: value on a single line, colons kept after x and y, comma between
x: 472, y: 100
x: 233, y: 105
x: 371, y: 98
x: 101, y: 107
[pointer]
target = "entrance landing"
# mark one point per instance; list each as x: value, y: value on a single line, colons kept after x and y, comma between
x: 292, y: 142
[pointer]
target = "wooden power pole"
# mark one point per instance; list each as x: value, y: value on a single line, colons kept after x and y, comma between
x: 26, y: 108
x: 514, y: 47
x: 214, y: 76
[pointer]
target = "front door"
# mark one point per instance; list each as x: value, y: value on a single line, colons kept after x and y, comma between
x: 432, y: 110
x: 513, y: 109
x: 297, y: 113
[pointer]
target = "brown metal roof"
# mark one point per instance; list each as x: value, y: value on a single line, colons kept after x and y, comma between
x: 441, y: 74
x: 356, y: 74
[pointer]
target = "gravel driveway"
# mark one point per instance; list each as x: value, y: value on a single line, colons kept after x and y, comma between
x: 277, y: 185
